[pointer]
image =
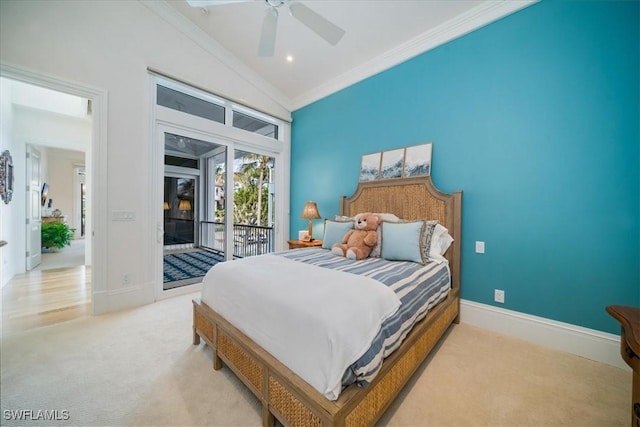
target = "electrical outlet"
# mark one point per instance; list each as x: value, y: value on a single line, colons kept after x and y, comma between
x: 498, y: 295
x: 479, y: 247
x: 126, y: 279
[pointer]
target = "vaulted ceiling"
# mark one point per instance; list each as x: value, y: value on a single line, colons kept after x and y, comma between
x: 378, y: 35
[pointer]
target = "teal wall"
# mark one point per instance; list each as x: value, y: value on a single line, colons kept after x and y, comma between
x: 536, y: 118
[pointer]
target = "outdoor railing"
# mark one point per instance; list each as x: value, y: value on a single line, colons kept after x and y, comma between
x: 248, y: 240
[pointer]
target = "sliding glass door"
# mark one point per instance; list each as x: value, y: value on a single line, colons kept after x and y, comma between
x: 213, y: 225
x: 218, y: 180
x: 185, y: 201
x: 253, y: 204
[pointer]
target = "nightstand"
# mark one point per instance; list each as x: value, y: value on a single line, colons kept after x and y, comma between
x: 295, y: 244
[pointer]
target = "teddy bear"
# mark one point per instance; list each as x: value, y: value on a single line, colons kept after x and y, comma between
x: 358, y: 242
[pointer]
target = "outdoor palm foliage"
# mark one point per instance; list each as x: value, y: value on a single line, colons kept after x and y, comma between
x: 251, y: 193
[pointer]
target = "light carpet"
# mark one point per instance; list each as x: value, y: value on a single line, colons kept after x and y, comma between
x: 138, y: 367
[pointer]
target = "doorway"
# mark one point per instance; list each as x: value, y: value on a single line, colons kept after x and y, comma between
x: 32, y: 99
x: 199, y: 228
x: 233, y: 150
x: 179, y: 207
x: 185, y: 260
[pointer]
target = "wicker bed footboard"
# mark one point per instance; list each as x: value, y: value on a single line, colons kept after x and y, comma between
x: 290, y: 399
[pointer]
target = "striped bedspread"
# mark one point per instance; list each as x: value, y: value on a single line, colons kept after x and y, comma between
x: 419, y: 287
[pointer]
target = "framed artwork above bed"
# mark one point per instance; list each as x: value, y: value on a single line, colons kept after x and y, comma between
x: 417, y: 160
x: 407, y: 162
x: 391, y: 164
x: 370, y: 167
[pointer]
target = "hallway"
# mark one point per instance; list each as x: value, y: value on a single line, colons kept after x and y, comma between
x: 57, y: 290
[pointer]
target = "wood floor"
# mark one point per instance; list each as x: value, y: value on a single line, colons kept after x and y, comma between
x: 45, y: 297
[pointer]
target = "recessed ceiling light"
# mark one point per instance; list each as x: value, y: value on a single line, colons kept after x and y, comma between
x: 289, y: 58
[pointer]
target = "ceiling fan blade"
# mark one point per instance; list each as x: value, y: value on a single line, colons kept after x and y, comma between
x: 268, y: 35
x: 205, y: 3
x: 319, y: 25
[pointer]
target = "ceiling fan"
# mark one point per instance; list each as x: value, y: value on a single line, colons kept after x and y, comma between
x: 318, y: 24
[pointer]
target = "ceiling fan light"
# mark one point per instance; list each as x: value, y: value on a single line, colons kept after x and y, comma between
x: 326, y: 29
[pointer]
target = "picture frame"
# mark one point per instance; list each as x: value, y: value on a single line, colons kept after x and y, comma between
x: 303, y: 236
x: 44, y: 194
x: 391, y: 165
x: 406, y: 162
x: 417, y: 160
x: 6, y: 176
x: 370, y: 167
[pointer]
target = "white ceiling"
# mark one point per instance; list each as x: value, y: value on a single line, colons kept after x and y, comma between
x: 379, y: 35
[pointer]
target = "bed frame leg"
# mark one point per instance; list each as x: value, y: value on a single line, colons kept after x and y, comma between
x: 196, y: 337
x: 268, y: 420
x: 217, y: 362
x: 456, y: 319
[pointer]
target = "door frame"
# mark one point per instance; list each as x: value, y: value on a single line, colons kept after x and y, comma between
x: 79, y: 179
x: 171, y: 121
x: 96, y: 157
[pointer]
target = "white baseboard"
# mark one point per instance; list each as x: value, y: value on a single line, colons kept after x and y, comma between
x: 589, y: 343
x: 121, y: 298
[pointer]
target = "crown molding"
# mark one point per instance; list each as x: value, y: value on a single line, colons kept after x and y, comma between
x: 465, y: 23
x: 202, y: 39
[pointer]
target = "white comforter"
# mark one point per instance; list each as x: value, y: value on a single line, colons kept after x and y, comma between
x: 315, y: 320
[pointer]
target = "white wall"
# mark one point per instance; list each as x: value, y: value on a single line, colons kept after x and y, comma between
x: 44, y: 128
x: 7, y: 232
x: 108, y: 45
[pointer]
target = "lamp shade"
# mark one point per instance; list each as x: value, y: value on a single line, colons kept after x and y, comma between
x: 310, y: 211
x: 166, y: 206
x: 184, y: 205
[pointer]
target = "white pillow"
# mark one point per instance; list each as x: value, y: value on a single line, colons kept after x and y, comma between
x: 389, y: 217
x: 440, y: 242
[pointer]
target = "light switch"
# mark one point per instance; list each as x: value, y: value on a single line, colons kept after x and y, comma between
x: 479, y: 247
x: 123, y: 216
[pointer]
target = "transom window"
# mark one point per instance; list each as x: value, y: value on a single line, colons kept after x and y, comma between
x: 180, y: 101
x: 199, y: 103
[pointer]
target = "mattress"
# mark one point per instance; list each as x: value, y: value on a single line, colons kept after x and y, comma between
x: 418, y: 288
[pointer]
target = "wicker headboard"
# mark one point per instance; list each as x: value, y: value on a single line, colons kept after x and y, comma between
x: 412, y: 198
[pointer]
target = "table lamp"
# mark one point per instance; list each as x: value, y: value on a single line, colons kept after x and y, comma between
x: 310, y: 212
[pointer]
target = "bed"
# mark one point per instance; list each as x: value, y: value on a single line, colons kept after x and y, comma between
x: 293, y: 401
